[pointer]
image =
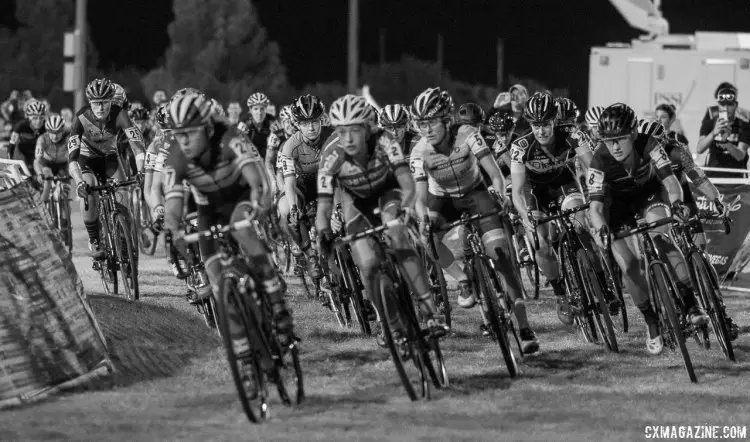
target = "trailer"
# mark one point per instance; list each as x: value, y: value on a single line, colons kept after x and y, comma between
x: 678, y: 69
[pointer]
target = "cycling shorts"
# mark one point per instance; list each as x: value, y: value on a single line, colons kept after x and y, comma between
x: 446, y: 209
x: 540, y: 197
x: 358, y: 212
x: 102, y: 167
x: 58, y: 169
x: 215, y: 214
x: 621, y: 212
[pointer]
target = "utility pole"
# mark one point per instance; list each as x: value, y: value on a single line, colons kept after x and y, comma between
x: 353, y: 58
x: 80, y: 55
x: 500, y: 58
x: 440, y: 56
x: 382, y: 46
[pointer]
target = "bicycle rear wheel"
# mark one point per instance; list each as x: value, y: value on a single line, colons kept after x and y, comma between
x: 414, y: 380
x: 125, y: 252
x: 66, y: 229
x: 497, y: 317
x: 710, y: 297
x: 350, y: 278
x: 249, y: 378
x: 438, y: 286
x: 107, y: 266
x: 595, y: 294
x: 580, y: 308
x: 665, y: 292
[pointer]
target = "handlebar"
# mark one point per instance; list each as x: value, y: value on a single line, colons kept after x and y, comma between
x: 559, y: 214
x: 466, y: 218
x: 369, y: 232
x: 218, y: 229
x: 55, y: 178
x: 725, y: 220
x: 109, y: 186
x: 645, y: 227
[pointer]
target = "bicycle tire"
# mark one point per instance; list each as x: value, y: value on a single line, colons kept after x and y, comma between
x: 108, y: 264
x: 613, y: 281
x: 712, y: 305
x: 666, y: 294
x: 574, y: 284
x: 595, y: 292
x: 356, y: 297
x: 438, y: 287
x: 230, y: 293
x: 125, y: 255
x: 497, y: 318
x: 532, y: 270
x: 135, y: 197
x: 67, y: 229
x: 385, y: 289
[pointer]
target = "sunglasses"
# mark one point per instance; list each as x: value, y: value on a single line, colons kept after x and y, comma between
x: 726, y: 98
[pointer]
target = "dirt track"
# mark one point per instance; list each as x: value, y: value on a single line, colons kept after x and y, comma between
x: 172, y: 382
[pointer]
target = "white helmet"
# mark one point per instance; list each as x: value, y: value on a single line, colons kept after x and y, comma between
x: 593, y: 115
x: 350, y: 109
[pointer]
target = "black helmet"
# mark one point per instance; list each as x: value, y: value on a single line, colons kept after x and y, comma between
x: 618, y: 120
x: 470, y: 113
x: 540, y: 108
x: 500, y: 121
x: 567, y: 111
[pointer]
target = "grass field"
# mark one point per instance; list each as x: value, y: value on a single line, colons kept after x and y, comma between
x: 172, y: 381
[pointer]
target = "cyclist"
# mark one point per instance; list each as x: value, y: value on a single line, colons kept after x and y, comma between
x: 299, y: 157
x: 567, y: 113
x: 592, y: 121
x: 471, y: 114
x: 447, y: 164
x: 234, y: 113
x: 92, y: 150
x: 259, y: 123
x: 22, y: 144
x: 140, y: 119
x: 632, y: 175
x: 368, y: 166
x: 51, y: 156
x: 284, y: 128
x: 394, y: 119
x: 500, y: 124
x: 542, y: 174
x: 227, y: 180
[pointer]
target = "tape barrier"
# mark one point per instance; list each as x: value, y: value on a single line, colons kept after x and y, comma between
x: 49, y: 337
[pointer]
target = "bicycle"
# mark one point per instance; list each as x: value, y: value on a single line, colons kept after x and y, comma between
x: 525, y: 262
x: 58, y: 206
x: 705, y: 281
x: 484, y: 275
x: 393, y: 295
x: 663, y: 292
x: 584, y: 290
x: 435, y: 276
x: 310, y: 286
x: 268, y: 360
x: 116, y: 240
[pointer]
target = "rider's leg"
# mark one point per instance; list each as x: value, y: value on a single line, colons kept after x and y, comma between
x: 47, y: 187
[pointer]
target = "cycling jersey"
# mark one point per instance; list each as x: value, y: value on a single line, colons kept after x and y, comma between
x: 92, y: 138
x: 501, y: 150
x: 640, y: 175
x: 258, y: 133
x: 300, y: 158
x: 222, y: 183
x: 550, y: 167
x: 157, y: 152
x: 411, y: 139
x: 457, y: 173
x: 49, y: 152
x: 23, y: 140
x: 363, y: 181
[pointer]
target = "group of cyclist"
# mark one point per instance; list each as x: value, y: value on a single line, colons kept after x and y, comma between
x: 425, y: 164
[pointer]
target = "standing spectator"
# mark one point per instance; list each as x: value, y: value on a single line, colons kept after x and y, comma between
x: 159, y: 97
x: 67, y: 114
x: 724, y: 134
x: 665, y: 114
x: 12, y: 109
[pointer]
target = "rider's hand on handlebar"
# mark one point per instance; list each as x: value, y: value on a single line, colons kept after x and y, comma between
x: 680, y: 211
x: 325, y: 241
x: 159, y: 211
x: 293, y: 217
x: 527, y: 223
x: 602, y: 236
x: 82, y: 189
x: 424, y: 230
x: 408, y: 214
x: 720, y: 208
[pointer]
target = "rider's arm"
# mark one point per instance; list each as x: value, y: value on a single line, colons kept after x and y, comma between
x: 135, y: 138
x: 289, y: 170
x: 74, y: 150
x: 518, y: 177
x: 681, y: 155
x: 174, y: 195
x: 327, y: 172
x: 416, y: 166
x: 249, y: 162
x: 14, y: 138
x: 490, y: 166
x: 400, y: 169
x: 272, y: 154
x: 663, y: 166
x: 39, y: 155
x: 595, y: 181
x: 584, y: 147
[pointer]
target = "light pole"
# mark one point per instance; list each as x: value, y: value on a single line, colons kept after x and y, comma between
x: 80, y: 55
x: 353, y: 52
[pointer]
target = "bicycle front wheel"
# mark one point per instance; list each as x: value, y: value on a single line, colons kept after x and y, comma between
x: 495, y: 315
x: 712, y: 303
x: 595, y: 293
x: 350, y: 278
x: 665, y: 293
x: 125, y: 253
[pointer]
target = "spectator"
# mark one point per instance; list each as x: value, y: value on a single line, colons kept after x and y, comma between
x: 665, y: 114
x: 12, y: 109
x: 159, y: 97
x: 724, y: 134
x: 234, y: 111
x: 67, y: 114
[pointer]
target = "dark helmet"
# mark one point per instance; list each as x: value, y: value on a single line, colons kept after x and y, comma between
x: 567, y: 111
x: 100, y: 89
x: 540, y: 108
x: 470, y: 113
x: 618, y: 120
x: 500, y: 121
x: 307, y: 107
x: 138, y: 114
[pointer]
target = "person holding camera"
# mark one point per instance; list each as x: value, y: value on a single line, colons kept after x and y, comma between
x: 725, y: 134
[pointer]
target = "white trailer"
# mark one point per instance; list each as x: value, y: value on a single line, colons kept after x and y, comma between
x: 682, y: 70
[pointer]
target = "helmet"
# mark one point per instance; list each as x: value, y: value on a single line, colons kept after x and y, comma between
x: 55, y: 123
x: 189, y: 110
x: 217, y: 108
x: 350, y: 109
x: 540, y: 108
x: 500, y: 121
x: 617, y: 120
x: 593, y: 115
x: 470, y: 113
x: 186, y: 90
x: 431, y: 103
x: 394, y: 115
x: 257, y: 99
x: 651, y: 128
x: 119, y: 98
x: 138, y: 114
x: 307, y: 107
x: 567, y: 111
x: 162, y: 115
x: 100, y: 89
x: 35, y: 108
x: 286, y: 113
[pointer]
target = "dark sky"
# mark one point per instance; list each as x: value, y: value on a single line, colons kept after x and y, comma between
x: 545, y: 39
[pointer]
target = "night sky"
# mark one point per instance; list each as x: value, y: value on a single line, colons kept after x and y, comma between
x: 545, y: 39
